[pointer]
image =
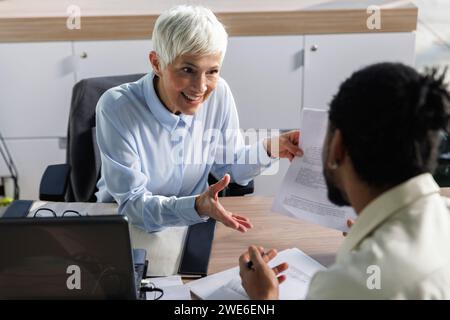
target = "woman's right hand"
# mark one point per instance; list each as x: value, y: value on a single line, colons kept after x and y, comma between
x: 208, y: 204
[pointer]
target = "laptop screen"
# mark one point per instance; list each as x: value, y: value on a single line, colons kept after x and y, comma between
x: 66, y: 258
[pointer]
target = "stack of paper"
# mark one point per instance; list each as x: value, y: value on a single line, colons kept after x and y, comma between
x: 303, y: 193
x: 172, y: 286
x: 226, y: 285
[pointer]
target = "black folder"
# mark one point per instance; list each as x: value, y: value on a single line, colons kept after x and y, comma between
x: 197, y: 249
x: 18, y: 209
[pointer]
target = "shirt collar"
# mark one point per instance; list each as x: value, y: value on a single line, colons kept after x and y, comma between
x: 187, y: 119
x: 167, y: 119
x: 386, y: 205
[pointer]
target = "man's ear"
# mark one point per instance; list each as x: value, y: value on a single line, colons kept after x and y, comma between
x: 337, y: 150
x: 154, y: 61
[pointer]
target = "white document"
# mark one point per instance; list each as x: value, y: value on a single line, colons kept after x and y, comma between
x: 165, y: 281
x: 175, y: 293
x: 164, y: 248
x: 226, y: 285
x: 172, y: 286
x: 303, y: 193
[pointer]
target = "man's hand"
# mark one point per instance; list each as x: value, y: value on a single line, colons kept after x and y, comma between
x: 261, y: 282
x: 208, y: 204
x: 284, y: 146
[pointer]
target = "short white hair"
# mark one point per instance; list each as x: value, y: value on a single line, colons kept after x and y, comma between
x: 188, y: 30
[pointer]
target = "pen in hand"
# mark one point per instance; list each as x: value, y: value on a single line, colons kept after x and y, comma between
x: 250, y: 263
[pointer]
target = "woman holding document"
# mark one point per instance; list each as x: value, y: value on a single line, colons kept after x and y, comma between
x: 384, y: 130
x: 160, y: 137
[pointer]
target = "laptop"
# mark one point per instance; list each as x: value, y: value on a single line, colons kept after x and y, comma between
x: 68, y: 258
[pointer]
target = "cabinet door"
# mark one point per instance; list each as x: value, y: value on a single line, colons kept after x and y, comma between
x: 330, y: 59
x: 265, y: 76
x: 36, y: 81
x: 32, y: 156
x: 108, y: 58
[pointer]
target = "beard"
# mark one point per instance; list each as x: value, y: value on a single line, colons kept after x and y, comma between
x: 335, y: 195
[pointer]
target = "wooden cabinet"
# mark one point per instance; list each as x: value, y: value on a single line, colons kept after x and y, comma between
x: 36, y: 81
x: 330, y: 59
x: 265, y: 76
x: 109, y: 58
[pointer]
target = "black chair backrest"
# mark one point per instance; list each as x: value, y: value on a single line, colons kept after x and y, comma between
x: 82, y: 150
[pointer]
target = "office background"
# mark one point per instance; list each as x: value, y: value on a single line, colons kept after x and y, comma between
x: 284, y: 72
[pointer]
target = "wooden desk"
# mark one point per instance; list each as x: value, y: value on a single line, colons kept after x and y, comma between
x: 270, y: 230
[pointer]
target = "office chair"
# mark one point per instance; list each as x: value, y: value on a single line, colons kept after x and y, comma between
x: 77, y: 179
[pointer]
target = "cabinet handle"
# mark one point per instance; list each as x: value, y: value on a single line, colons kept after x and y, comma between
x: 83, y: 55
x: 314, y: 47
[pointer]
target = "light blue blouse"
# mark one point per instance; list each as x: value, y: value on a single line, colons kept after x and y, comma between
x: 154, y: 163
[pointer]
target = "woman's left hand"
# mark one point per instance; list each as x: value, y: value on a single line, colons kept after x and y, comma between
x: 208, y: 204
x: 285, y: 145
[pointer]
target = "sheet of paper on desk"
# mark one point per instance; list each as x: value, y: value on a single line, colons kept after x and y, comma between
x: 169, y: 281
x: 226, y: 285
x: 303, y: 192
x: 173, y: 289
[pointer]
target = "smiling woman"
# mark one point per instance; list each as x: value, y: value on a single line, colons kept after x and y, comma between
x: 187, y: 82
x: 144, y: 129
x: 187, y: 59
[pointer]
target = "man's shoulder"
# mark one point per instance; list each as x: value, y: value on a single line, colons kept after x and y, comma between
x: 405, y: 250
x: 403, y: 253
x: 422, y: 227
x: 346, y: 282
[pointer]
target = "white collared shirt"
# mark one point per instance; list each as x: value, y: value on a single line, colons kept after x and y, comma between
x: 398, y: 248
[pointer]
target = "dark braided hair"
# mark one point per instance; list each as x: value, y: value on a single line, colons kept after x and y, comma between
x: 391, y: 119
